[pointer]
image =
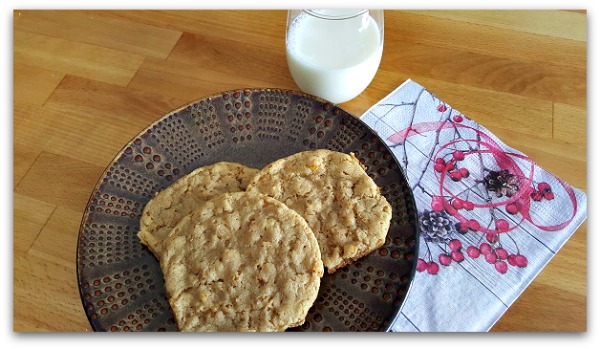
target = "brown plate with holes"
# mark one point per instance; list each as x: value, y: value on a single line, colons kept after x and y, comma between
x: 120, y: 281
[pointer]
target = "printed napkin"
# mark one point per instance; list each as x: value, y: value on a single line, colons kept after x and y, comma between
x: 489, y: 218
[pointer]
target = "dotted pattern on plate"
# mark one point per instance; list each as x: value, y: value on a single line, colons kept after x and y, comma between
x: 120, y: 281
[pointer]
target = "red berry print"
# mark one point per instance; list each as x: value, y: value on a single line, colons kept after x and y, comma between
x: 455, y: 244
x: 457, y: 256
x: 437, y: 206
x: 455, y: 176
x: 482, y: 194
x: 492, y: 238
x: 437, y: 203
x: 421, y: 265
x: 544, y: 191
x: 502, y: 225
x: 501, y: 267
x: 521, y: 261
x: 462, y: 228
x: 473, y: 252
x: 543, y: 186
x: 501, y: 253
x: 445, y: 260
x: 512, y: 208
x: 490, y: 258
x: 485, y: 248
x: 537, y: 195
x: 457, y: 204
x: 439, y: 168
x: 450, y: 209
x: 433, y: 268
x: 474, y: 225
x: 458, y: 155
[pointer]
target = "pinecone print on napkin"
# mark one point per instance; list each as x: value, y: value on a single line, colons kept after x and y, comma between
x: 490, y: 219
x: 480, y: 193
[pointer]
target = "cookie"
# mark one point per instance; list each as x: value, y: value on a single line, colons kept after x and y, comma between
x: 341, y: 203
x: 168, y: 206
x: 241, y: 262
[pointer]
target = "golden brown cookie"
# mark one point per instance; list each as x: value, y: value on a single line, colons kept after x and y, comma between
x: 341, y: 203
x: 241, y: 262
x: 165, y: 210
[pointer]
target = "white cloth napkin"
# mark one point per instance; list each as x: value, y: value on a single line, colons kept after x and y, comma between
x: 490, y: 219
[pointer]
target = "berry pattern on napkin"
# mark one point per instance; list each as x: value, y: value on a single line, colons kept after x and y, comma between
x: 489, y: 217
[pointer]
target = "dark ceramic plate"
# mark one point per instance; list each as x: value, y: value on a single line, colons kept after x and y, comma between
x: 120, y: 281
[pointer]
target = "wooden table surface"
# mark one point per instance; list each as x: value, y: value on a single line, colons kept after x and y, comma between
x: 86, y: 82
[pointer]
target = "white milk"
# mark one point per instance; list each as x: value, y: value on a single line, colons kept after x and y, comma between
x: 334, y: 59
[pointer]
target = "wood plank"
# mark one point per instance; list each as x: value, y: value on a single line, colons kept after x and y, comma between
x: 250, y: 26
x: 549, y: 82
x: 29, y: 217
x: 82, y: 137
x: 46, y: 297
x: 504, y: 43
x: 569, y: 318
x: 60, y: 230
x: 61, y: 181
x: 189, y: 82
x: 33, y: 85
x: 233, y: 57
x: 98, y: 30
x: 542, y: 22
x: 129, y: 109
x: 22, y: 161
x: 567, y: 263
x: 84, y: 60
x: 570, y: 123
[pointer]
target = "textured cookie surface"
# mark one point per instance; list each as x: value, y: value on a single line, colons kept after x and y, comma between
x: 164, y: 211
x: 340, y: 202
x: 241, y: 262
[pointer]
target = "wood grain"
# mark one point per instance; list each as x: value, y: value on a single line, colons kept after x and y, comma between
x: 533, y: 22
x: 86, y: 82
x: 34, y: 84
x: 121, y: 35
x: 186, y: 81
x: 551, y: 82
x: 84, y: 60
x: 489, y: 39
